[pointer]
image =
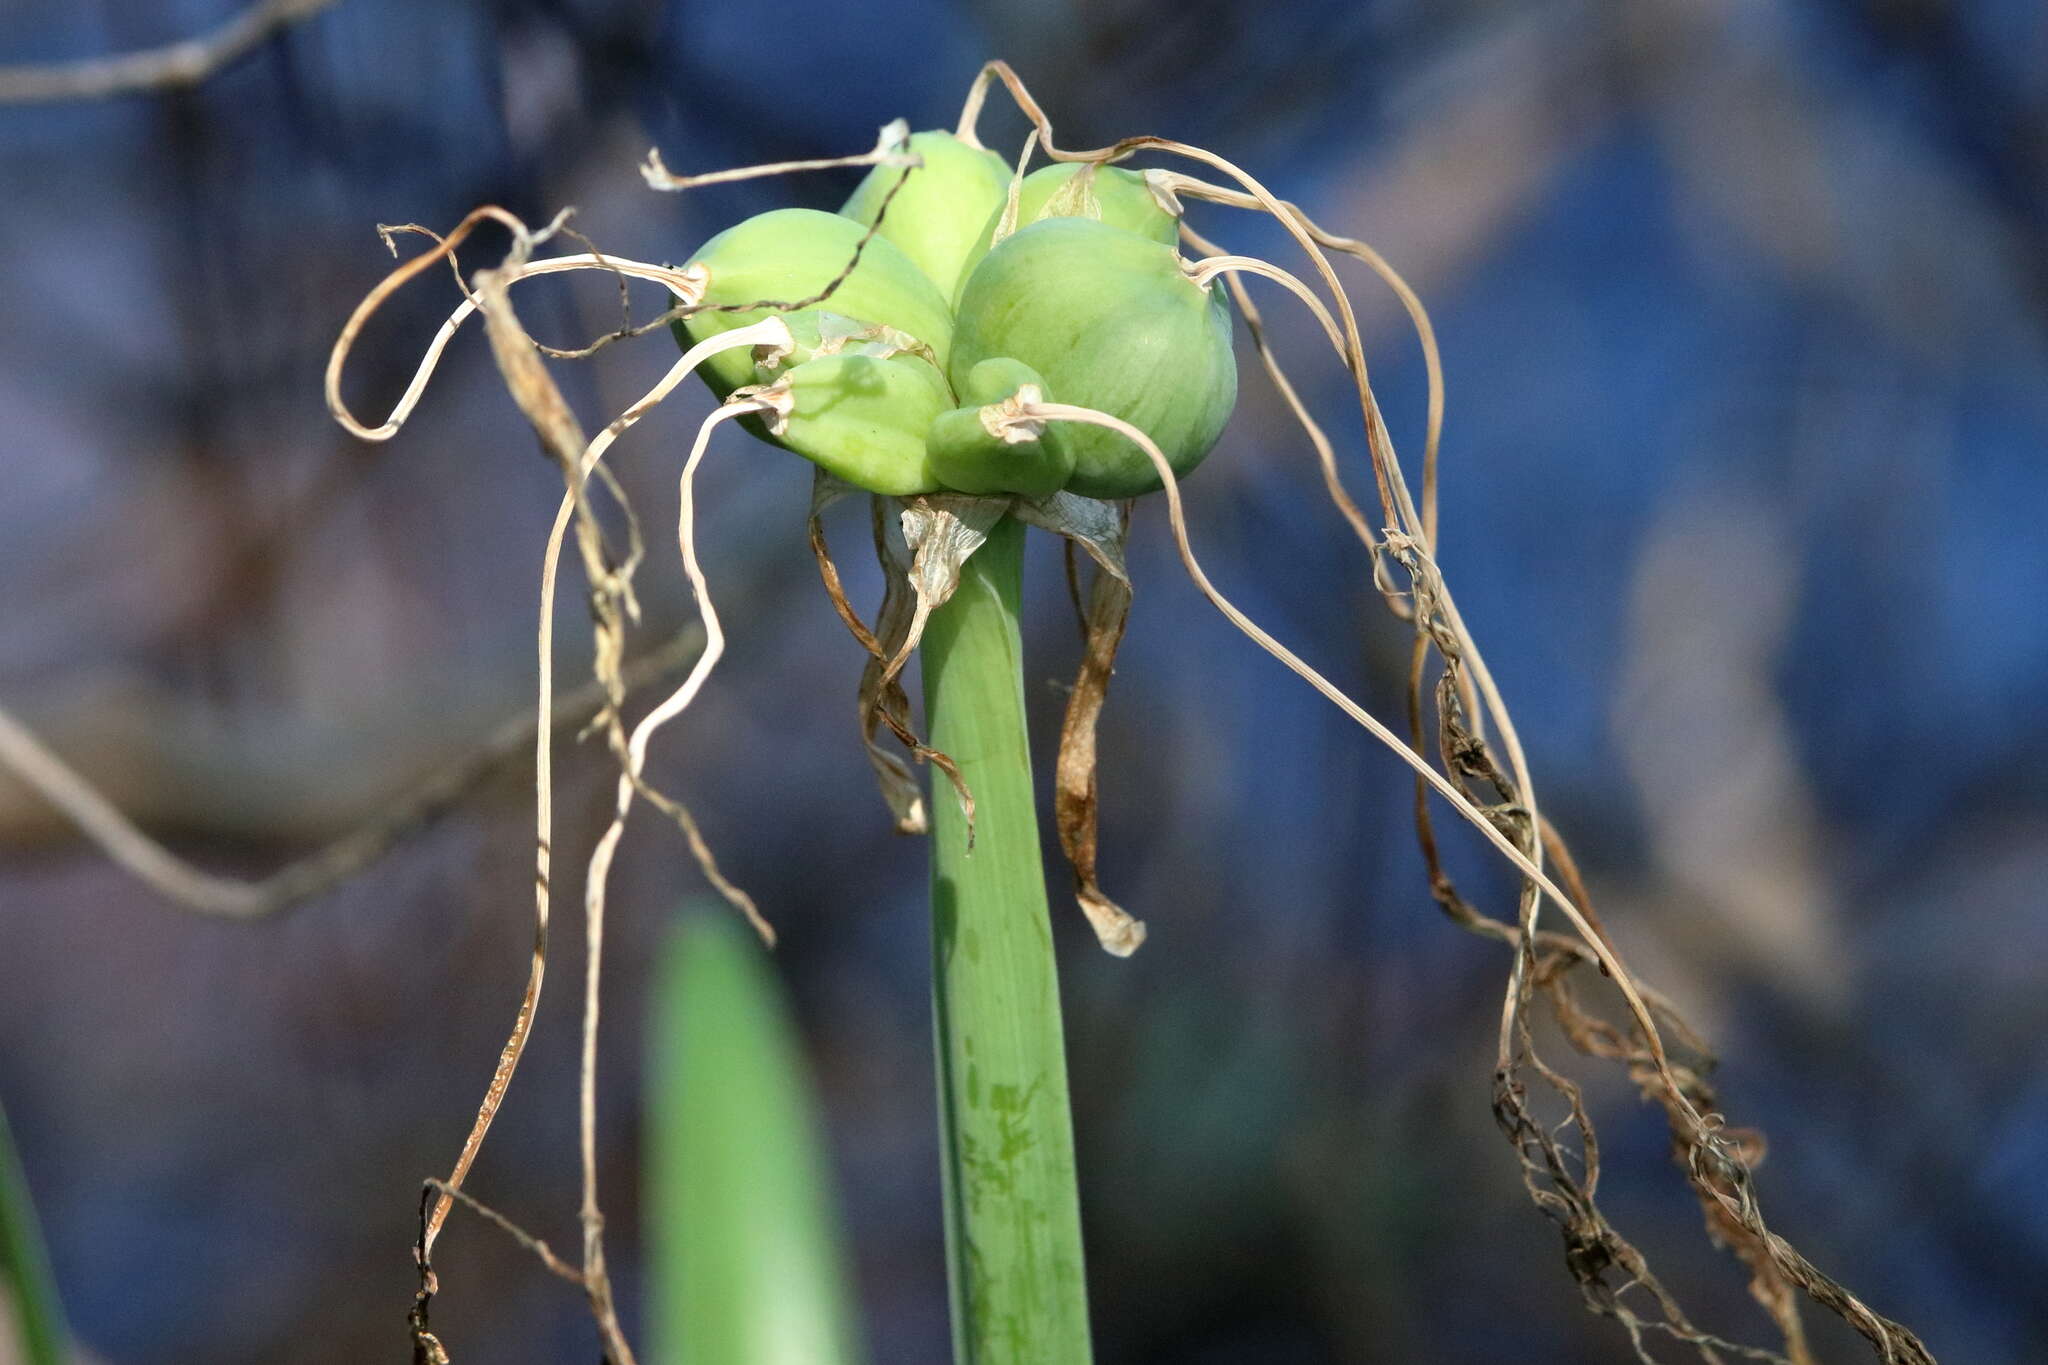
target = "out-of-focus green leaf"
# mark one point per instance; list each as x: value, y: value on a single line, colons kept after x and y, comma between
x: 744, y: 1247
x: 24, y: 1267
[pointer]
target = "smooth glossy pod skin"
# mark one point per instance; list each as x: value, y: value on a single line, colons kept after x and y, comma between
x: 970, y: 458
x: 935, y: 216
x: 863, y: 418
x: 1071, y: 189
x: 790, y: 254
x: 1113, y: 323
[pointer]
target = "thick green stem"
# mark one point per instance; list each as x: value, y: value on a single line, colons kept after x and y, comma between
x: 1013, y: 1218
x: 24, y: 1267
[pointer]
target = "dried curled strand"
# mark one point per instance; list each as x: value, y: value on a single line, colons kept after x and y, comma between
x: 1559, y: 1154
x: 1075, y: 799
x: 1512, y: 825
x: 612, y: 607
x: 1716, y: 1164
x: 882, y: 700
x: 892, y: 148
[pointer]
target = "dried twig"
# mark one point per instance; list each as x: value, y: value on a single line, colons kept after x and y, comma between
x: 556, y: 1266
x: 177, y: 66
x: 891, y: 149
x: 319, y: 872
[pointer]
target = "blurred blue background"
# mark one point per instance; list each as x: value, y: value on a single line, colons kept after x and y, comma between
x: 1744, y: 308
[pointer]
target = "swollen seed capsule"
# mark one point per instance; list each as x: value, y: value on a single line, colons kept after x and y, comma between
x: 994, y: 380
x: 862, y: 418
x: 1114, y: 323
x: 935, y: 216
x: 790, y: 254
x: 1070, y: 189
x: 971, y: 455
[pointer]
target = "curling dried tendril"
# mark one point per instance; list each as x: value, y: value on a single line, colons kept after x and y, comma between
x: 927, y: 346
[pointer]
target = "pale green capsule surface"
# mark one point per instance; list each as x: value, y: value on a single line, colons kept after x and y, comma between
x: 863, y: 418
x: 970, y: 458
x: 935, y: 216
x: 789, y: 254
x: 1070, y: 189
x: 1113, y: 323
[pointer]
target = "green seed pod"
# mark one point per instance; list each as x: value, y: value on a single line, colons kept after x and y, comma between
x: 1113, y: 322
x: 971, y: 455
x: 935, y: 216
x: 861, y: 417
x: 1070, y: 189
x: 992, y: 381
x: 790, y: 254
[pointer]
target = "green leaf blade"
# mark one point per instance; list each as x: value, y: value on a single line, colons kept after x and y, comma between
x: 745, y: 1253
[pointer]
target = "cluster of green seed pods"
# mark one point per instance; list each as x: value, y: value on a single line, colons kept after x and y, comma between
x: 966, y: 304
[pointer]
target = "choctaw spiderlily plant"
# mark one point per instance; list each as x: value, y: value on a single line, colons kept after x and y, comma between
x: 982, y: 347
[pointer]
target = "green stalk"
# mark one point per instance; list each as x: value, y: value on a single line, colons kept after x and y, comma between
x: 1013, y: 1217
x: 24, y: 1265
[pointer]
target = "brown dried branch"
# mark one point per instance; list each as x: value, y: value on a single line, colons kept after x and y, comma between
x: 346, y: 857
x: 533, y: 389
x: 1717, y: 1160
x: 882, y: 700
x: 178, y: 66
x: 1326, y: 454
x: 1425, y: 330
